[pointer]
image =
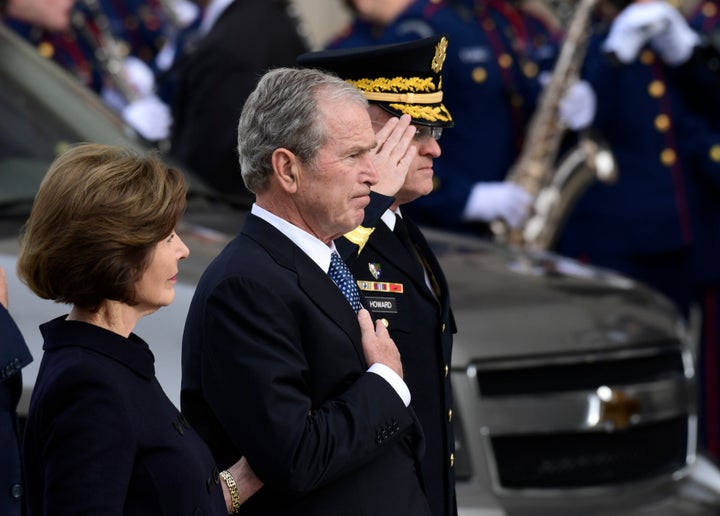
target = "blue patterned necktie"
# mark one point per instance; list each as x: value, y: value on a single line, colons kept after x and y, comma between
x: 343, y: 278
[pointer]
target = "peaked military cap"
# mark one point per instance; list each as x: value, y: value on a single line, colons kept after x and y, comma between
x: 402, y: 78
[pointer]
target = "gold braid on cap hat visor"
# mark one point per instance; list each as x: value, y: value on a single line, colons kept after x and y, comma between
x: 407, y: 98
x: 427, y: 113
x: 413, y: 90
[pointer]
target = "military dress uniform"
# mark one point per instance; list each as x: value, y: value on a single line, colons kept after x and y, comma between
x: 659, y: 222
x: 101, y: 35
x: 71, y: 50
x: 143, y: 25
x: 490, y: 79
x: 420, y: 321
x: 397, y: 272
x: 642, y: 224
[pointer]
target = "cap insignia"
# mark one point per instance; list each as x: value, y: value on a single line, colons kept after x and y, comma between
x: 440, y: 52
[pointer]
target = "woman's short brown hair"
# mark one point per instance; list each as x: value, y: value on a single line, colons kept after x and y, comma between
x: 94, y: 224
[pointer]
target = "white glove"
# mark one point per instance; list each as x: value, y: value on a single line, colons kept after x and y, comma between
x: 634, y: 27
x: 185, y: 11
x: 498, y: 200
x: 139, y: 76
x: 577, y: 107
x: 676, y: 43
x: 149, y: 116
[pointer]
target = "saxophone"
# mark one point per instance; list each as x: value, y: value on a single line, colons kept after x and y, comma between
x: 555, y: 187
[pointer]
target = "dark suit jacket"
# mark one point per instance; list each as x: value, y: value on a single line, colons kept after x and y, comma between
x: 422, y: 326
x: 273, y: 369
x: 103, y: 438
x: 213, y: 81
x: 14, y: 355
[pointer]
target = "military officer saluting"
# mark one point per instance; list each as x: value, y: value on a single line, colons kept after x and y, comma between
x: 395, y: 268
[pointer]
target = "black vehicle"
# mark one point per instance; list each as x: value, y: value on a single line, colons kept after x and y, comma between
x: 574, y: 386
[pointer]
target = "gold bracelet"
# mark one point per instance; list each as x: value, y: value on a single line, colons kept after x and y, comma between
x: 232, y: 487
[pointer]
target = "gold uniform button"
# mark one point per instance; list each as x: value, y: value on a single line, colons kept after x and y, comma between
x: 647, y: 57
x: 46, y: 49
x: 516, y: 100
x: 449, y: 415
x: 447, y: 370
x: 443, y: 327
x: 662, y: 123
x: 668, y: 157
x: 715, y: 153
x: 530, y: 69
x: 479, y: 75
x: 505, y: 60
x: 131, y: 23
x: 385, y: 322
x: 452, y: 460
x: 656, y: 89
x: 709, y: 10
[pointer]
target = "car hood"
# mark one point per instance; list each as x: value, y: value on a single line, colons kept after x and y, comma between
x: 509, y: 303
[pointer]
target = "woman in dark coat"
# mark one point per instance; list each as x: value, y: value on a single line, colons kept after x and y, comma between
x: 14, y: 355
x: 102, y: 437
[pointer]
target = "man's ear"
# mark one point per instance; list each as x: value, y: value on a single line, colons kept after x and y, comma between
x: 286, y: 168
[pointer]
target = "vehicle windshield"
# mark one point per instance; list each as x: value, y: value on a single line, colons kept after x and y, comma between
x: 43, y: 110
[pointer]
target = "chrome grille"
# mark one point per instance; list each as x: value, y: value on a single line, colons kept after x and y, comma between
x: 590, y: 458
x: 578, y: 421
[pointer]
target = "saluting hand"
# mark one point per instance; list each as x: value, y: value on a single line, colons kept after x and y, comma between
x: 377, y: 344
x: 394, y: 154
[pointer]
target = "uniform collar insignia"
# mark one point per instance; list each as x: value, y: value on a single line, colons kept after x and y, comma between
x: 374, y: 270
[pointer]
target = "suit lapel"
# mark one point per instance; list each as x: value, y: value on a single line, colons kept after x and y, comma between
x: 385, y: 243
x: 432, y: 263
x: 315, y: 282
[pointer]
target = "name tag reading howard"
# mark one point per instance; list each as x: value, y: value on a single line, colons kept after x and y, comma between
x: 386, y: 305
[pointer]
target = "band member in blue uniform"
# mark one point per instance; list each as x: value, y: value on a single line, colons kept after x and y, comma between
x: 642, y: 224
x: 497, y: 52
x: 142, y: 25
x: 101, y: 46
x: 396, y: 270
x: 658, y: 223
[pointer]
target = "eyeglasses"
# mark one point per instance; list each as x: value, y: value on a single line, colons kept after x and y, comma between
x: 423, y: 132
